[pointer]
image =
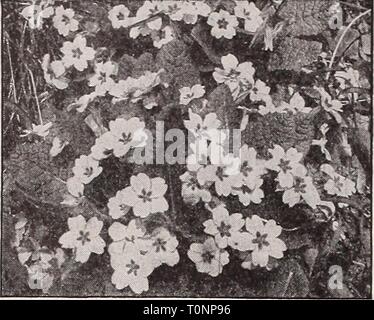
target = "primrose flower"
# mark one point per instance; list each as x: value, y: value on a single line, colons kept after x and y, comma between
x: 208, y: 257
x: 264, y: 240
x: 223, y: 24
x: 54, y: 73
x: 39, y: 278
x: 146, y: 195
x: 124, y: 237
x: 302, y: 188
x: 337, y: 185
x: 132, y: 270
x: 119, y: 16
x: 249, y: 193
x: 161, y: 247
x: 224, y: 227
x: 36, y: 13
x: 64, y: 21
x: 296, y: 104
x: 162, y: 37
x: 83, y: 237
x: 251, y: 167
x: 203, y: 129
x: 332, y: 106
x: 40, y: 130
x: 102, y: 79
x: 188, y: 94
x: 127, y: 134
x: 260, y: 92
x: 77, y: 53
x: 190, y: 11
x: 284, y: 162
x: 117, y: 206
x: 86, y: 169
x: 237, y: 77
x: 192, y: 190
x: 149, y: 9
x: 250, y: 13
x: 103, y: 147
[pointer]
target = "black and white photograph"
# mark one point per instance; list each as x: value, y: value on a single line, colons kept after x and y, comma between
x: 186, y: 150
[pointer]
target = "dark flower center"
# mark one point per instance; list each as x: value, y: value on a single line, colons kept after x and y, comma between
x: 126, y: 138
x: 260, y: 240
x: 285, y: 165
x: 133, y: 267
x: 146, y: 195
x: 160, y: 244
x: 88, y: 171
x: 224, y: 230
x: 84, y: 237
x: 207, y: 256
x: 299, y: 185
x: 222, y: 23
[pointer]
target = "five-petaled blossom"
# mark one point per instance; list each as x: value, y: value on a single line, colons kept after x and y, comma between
x: 302, y: 188
x: 264, y: 240
x: 54, y: 72
x: 206, y: 129
x: 145, y: 195
x: 132, y: 269
x: 250, y: 13
x: 77, y: 53
x: 188, y: 94
x: 224, y: 227
x: 124, y: 237
x: 119, y: 16
x: 208, y: 257
x: 64, y: 21
x: 83, y: 237
x: 117, y: 208
x: 161, y: 247
x: 238, y: 77
x: 192, y: 190
x: 284, y: 162
x: 337, y: 185
x: 86, y: 169
x: 102, y: 79
x: 223, y: 24
x: 127, y: 134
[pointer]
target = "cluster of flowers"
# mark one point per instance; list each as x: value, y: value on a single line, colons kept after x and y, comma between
x: 150, y: 19
x: 123, y: 136
x: 241, y: 175
x: 257, y: 242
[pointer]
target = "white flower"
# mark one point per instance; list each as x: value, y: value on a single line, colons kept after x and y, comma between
x: 223, y: 24
x: 64, y: 21
x: 75, y: 196
x: 237, y: 76
x: 132, y: 271
x: 249, y: 193
x: 102, y: 79
x: 82, y: 102
x: 83, y: 237
x: 117, y: 206
x: 77, y: 53
x: 39, y: 278
x: 146, y: 195
x: 124, y: 237
x: 103, y: 147
x: 191, y: 10
x: 41, y: 130
x: 224, y: 227
x: 162, y: 37
x: 54, y: 73
x: 127, y: 134
x: 86, y: 169
x: 323, y: 141
x: 251, y: 167
x: 296, y: 104
x: 208, y: 257
x: 332, y: 106
x: 147, y: 10
x: 250, y: 13
x: 265, y: 241
x: 260, y: 92
x: 161, y: 248
x: 337, y: 185
x: 57, y: 146
x: 302, y: 188
x: 188, y: 94
x: 192, y: 191
x: 35, y: 14
x: 203, y: 129
x: 284, y: 162
x: 119, y: 16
